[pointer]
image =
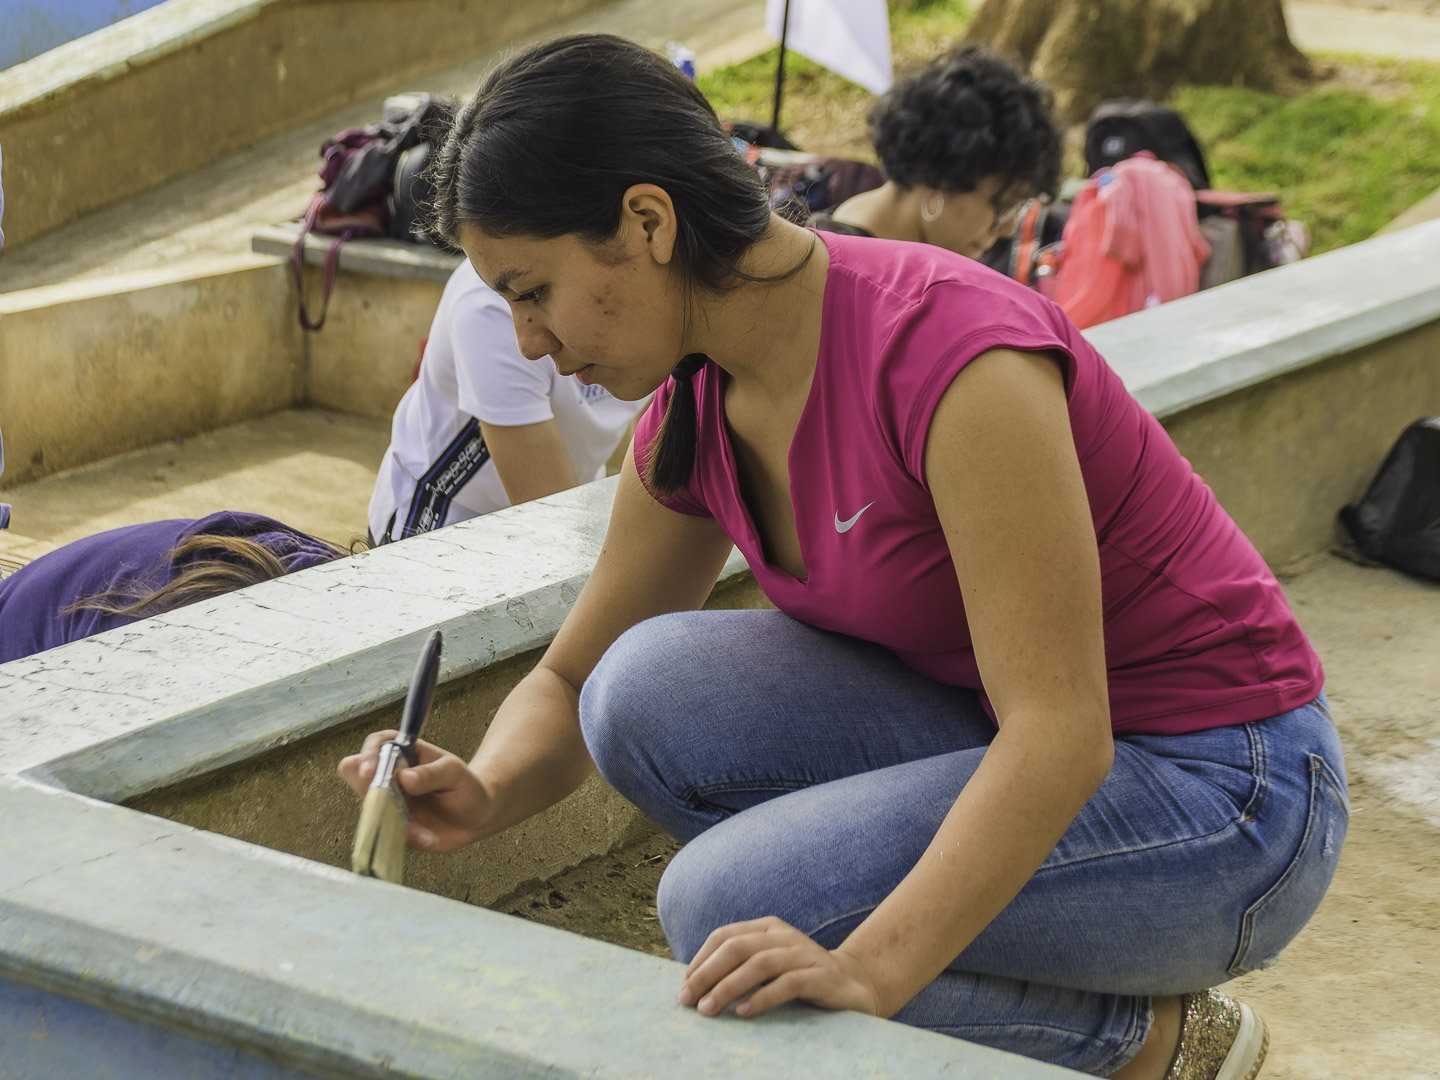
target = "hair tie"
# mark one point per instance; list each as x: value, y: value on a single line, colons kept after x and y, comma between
x: 689, y: 364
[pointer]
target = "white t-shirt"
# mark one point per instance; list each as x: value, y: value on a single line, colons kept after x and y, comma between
x: 437, y: 470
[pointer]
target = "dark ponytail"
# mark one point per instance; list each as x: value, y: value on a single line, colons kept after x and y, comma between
x: 672, y: 454
x: 554, y: 138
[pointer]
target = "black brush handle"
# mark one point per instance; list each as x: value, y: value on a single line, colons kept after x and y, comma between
x: 417, y: 701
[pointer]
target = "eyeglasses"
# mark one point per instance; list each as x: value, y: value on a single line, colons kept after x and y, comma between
x: 1008, y: 208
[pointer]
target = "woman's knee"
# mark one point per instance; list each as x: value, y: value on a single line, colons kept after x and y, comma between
x: 622, y: 701
x: 669, y: 683
x: 703, y: 889
x: 762, y: 863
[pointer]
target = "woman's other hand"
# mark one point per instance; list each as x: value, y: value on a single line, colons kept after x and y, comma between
x: 448, y: 803
x: 772, y: 962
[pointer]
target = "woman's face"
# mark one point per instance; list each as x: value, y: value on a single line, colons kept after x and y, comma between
x: 612, y: 316
x: 968, y: 222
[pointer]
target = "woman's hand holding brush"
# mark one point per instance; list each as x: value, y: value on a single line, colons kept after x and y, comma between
x: 448, y: 803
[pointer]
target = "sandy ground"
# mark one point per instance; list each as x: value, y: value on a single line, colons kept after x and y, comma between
x: 1357, y: 994
x: 309, y: 468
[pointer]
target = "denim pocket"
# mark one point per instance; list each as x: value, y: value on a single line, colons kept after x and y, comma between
x: 1275, y: 918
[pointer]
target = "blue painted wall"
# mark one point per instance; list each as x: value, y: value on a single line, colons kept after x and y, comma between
x: 30, y: 27
x: 47, y: 1037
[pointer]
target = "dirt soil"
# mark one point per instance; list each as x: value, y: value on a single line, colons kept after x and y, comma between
x: 1355, y: 995
x: 610, y: 897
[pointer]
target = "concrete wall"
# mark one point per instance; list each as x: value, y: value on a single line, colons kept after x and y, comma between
x: 362, y: 360
x: 1286, y: 389
x: 291, y: 799
x: 1283, y: 457
x: 93, y: 368
x: 125, y: 109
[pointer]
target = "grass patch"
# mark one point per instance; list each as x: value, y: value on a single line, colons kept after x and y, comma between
x: 1346, y: 156
x: 1345, y: 159
x: 821, y: 111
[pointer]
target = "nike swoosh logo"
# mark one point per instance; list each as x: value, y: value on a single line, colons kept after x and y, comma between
x: 846, y: 526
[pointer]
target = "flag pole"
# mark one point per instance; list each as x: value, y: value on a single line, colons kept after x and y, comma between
x: 780, y: 68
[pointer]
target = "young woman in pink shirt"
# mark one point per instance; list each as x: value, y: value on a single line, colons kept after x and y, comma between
x: 1033, y: 751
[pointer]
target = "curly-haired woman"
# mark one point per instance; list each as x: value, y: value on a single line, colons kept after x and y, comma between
x: 964, y: 143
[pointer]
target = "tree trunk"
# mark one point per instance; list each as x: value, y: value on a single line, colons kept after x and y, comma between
x: 1090, y: 50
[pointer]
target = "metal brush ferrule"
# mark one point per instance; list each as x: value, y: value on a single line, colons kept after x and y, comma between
x: 391, y: 757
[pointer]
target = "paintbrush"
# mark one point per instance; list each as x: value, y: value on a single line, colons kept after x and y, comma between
x: 380, y: 836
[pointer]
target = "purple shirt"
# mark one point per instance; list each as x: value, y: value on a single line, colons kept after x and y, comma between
x: 1197, y: 631
x: 32, y: 598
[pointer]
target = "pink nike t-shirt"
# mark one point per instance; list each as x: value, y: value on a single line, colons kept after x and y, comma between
x: 1197, y: 631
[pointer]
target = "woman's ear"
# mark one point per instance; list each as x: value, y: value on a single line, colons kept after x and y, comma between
x: 647, y: 222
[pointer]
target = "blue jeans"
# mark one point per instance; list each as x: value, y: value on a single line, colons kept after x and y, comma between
x: 806, y: 772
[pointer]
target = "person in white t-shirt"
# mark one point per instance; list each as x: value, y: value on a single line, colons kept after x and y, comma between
x: 483, y: 427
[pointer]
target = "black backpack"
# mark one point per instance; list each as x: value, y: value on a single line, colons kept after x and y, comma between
x: 1398, y: 521
x: 1122, y: 127
x: 372, y: 183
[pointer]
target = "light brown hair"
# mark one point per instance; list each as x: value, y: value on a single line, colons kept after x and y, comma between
x: 214, y: 564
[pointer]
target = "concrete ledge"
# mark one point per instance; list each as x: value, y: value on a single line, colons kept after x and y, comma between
x: 231, y: 714
x: 104, y: 54
x: 1215, y: 343
x: 316, y: 969
x: 127, y: 108
x: 227, y: 679
x: 387, y: 258
x: 93, y: 368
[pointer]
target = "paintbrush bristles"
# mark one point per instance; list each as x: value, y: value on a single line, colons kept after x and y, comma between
x: 380, y: 836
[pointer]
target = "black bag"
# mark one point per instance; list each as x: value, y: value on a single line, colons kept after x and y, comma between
x: 1398, y: 521
x: 363, y: 172
x: 758, y: 134
x: 1122, y: 127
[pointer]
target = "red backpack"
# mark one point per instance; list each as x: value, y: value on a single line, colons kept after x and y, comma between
x: 1132, y: 241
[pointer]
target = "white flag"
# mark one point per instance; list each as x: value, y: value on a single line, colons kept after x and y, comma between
x: 850, y: 37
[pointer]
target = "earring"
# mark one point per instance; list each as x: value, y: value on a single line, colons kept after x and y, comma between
x: 931, y: 200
